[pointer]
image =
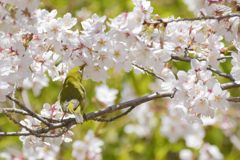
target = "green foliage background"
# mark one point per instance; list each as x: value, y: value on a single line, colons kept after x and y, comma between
x: 118, y: 145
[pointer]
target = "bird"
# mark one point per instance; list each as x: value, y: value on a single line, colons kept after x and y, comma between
x: 73, y: 94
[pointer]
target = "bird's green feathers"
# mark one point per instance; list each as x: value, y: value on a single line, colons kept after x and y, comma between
x: 72, y: 95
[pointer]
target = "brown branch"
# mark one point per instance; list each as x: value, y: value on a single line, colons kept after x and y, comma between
x: 13, y: 95
x: 110, y: 109
x: 230, y: 85
x: 148, y: 71
x: 15, y: 110
x: 205, y: 18
x: 222, y: 74
x: 37, y: 135
x: 15, y: 134
x: 234, y: 99
x: 31, y: 113
x: 117, y: 107
x: 184, y: 59
x: 67, y: 123
x: 224, y: 57
x: 188, y: 59
x: 93, y: 115
x: 22, y: 112
x: 127, y: 104
x: 18, y: 123
x: 218, y: 18
x: 63, y: 131
x: 116, y: 117
x: 41, y: 132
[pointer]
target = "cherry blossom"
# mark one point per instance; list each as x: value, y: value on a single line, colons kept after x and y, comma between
x: 176, y: 125
x: 48, y: 147
x: 37, y: 46
x: 53, y: 111
x: 210, y: 152
x: 11, y: 154
x: 235, y: 62
x: 89, y: 148
x: 144, y: 121
x: 199, y: 92
x: 5, y: 88
x: 106, y: 95
x: 186, y: 154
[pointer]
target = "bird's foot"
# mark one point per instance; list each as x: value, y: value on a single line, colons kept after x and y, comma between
x: 63, y: 116
x: 79, y: 118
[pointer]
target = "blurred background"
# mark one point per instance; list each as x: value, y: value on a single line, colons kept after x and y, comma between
x: 112, y: 8
x: 118, y: 143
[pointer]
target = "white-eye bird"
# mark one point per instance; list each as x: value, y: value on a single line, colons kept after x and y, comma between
x: 73, y: 95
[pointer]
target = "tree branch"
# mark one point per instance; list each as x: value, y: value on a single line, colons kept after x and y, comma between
x: 15, y: 110
x: 120, y: 106
x: 31, y: 113
x: 230, y: 85
x: 19, y: 123
x: 234, y: 99
x: 116, y: 117
x: 188, y: 59
x: 95, y: 116
x: 218, y: 18
x: 148, y: 71
x: 15, y: 134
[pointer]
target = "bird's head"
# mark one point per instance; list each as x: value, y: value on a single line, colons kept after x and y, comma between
x: 81, y: 68
x: 76, y: 72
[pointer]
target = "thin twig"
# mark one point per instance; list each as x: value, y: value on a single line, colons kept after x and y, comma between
x: 13, y: 95
x: 218, y: 18
x: 116, y: 117
x: 148, y: 71
x: 30, y: 134
x: 19, y: 123
x: 234, y: 99
x: 15, y: 134
x: 205, y: 18
x: 120, y: 106
x: 184, y: 59
x: 222, y: 74
x: 31, y: 113
x: 224, y: 57
x: 63, y: 131
x: 230, y: 85
x: 15, y: 110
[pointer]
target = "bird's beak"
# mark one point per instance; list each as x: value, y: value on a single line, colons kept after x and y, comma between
x: 82, y: 66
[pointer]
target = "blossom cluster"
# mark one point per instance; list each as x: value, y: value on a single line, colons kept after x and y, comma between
x: 37, y: 45
x: 41, y: 44
x: 44, y: 147
x: 90, y: 148
x: 144, y: 121
x: 207, y: 151
x: 175, y: 126
x: 199, y: 92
